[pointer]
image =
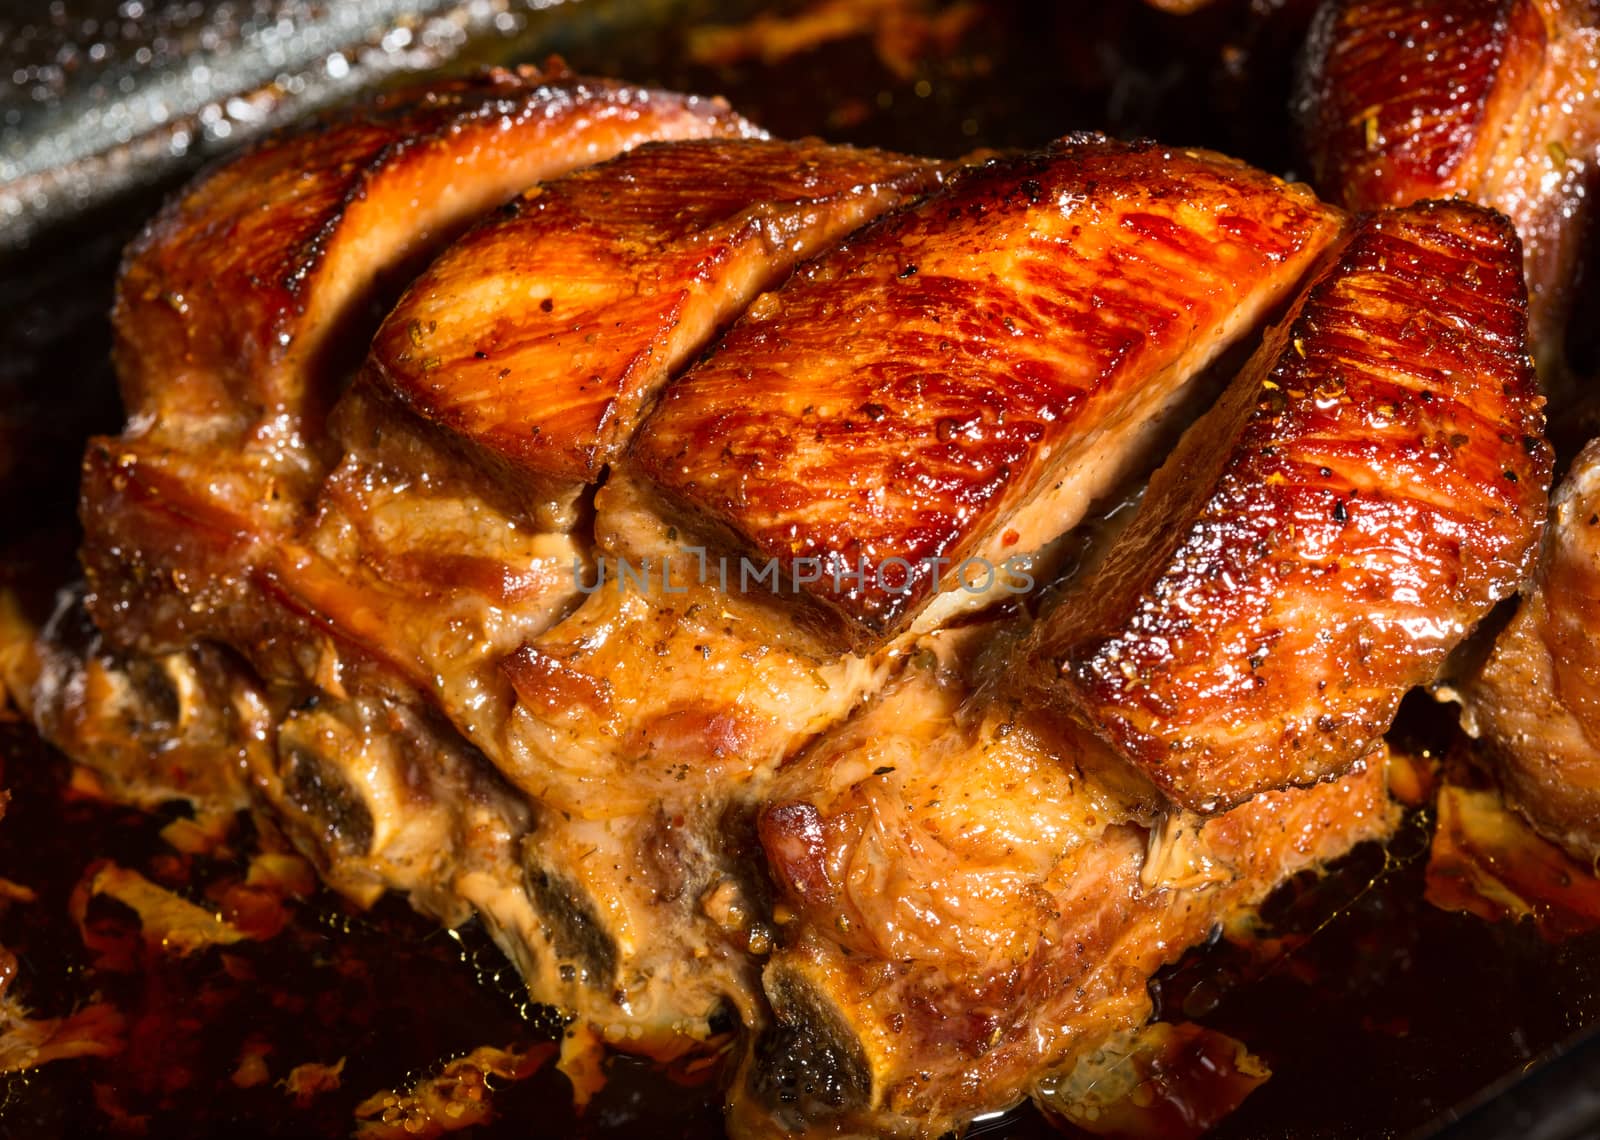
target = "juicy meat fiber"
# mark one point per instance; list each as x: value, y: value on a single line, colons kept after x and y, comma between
x: 913, y: 394
x: 1370, y: 485
x: 1497, y: 101
x: 1536, y: 701
x: 542, y: 335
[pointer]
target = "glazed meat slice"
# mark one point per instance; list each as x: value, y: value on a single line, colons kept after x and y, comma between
x: 1498, y: 102
x: 223, y: 301
x: 1536, y: 700
x: 964, y: 378
x: 247, y: 294
x: 977, y: 896
x: 542, y: 335
x: 445, y: 576
x: 1368, y: 487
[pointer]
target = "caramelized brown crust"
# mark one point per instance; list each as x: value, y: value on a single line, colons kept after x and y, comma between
x: 1536, y: 702
x: 907, y: 395
x: 543, y: 334
x: 1495, y: 101
x: 237, y: 303
x: 222, y: 305
x: 1368, y: 487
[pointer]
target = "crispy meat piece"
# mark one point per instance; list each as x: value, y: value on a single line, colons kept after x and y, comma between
x: 1536, y: 701
x: 1370, y: 485
x: 543, y: 334
x: 236, y: 310
x: 1498, y: 102
x: 243, y: 299
x: 962, y: 379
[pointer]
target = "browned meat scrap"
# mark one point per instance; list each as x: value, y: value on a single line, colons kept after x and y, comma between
x: 388, y: 603
x: 1536, y: 701
x: 1371, y: 484
x: 1497, y: 101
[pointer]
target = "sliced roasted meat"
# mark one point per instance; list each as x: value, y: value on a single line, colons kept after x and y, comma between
x: 224, y: 302
x: 403, y: 628
x: 245, y: 296
x: 1536, y: 701
x: 1497, y: 101
x: 1369, y: 486
x: 962, y: 379
x: 542, y: 335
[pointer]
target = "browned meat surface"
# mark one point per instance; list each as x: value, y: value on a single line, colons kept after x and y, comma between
x: 248, y: 293
x: 978, y: 897
x: 1370, y: 485
x: 418, y: 576
x: 435, y: 579
x: 543, y: 335
x: 230, y: 300
x: 1498, y: 102
x: 962, y: 380
x: 237, y: 310
x: 1536, y: 701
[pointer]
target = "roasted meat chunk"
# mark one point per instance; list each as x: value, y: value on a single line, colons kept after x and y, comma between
x: 1369, y: 486
x: 978, y: 896
x: 1497, y: 101
x: 223, y: 303
x: 961, y: 381
x: 543, y: 335
x: 1536, y: 701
